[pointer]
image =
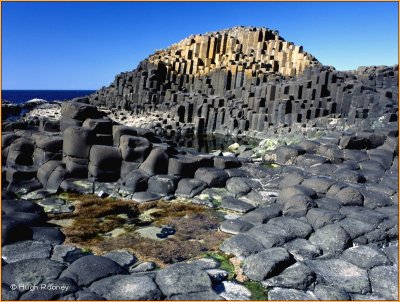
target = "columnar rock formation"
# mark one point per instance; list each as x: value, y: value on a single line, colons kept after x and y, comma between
x: 247, y: 80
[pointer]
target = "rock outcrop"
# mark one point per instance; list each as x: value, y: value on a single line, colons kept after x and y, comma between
x: 247, y: 81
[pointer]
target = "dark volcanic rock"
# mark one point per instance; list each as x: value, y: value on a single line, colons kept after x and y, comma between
x: 12, y: 230
x: 297, y: 276
x: 331, y: 239
x: 241, y: 245
x: 341, y: 274
x: 125, y: 287
x: 266, y: 263
x: 88, y: 269
x: 26, y: 250
x: 190, y: 187
x: 212, y: 176
x: 156, y: 162
x: 31, y: 272
x: 182, y: 278
x: 77, y: 141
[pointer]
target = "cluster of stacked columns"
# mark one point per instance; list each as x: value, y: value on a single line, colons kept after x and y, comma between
x: 248, y: 79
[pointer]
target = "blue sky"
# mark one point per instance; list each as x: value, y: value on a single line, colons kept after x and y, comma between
x: 84, y: 45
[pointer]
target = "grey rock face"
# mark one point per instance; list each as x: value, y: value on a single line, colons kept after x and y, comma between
x: 77, y: 141
x: 47, y: 234
x: 320, y: 217
x: 350, y: 196
x: 123, y: 258
x: 241, y: 245
x: 182, y: 279
x: 293, y: 226
x: 26, y: 250
x: 212, y: 176
x: 331, y: 239
x: 297, y: 276
x: 266, y: 263
x: 31, y: 272
x: 384, y: 281
x: 302, y: 249
x: 341, y: 274
x: 270, y: 235
x: 238, y: 186
x: 235, y: 226
x: 156, y: 162
x: 365, y: 257
x: 235, y: 204
x: 263, y: 214
x: 125, y: 287
x: 162, y: 184
x: 88, y: 269
x: 190, y: 187
x: 324, y: 292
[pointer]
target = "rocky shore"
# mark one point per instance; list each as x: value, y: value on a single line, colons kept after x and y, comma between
x: 98, y: 203
x: 316, y: 220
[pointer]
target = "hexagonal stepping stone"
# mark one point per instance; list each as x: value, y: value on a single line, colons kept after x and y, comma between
x: 238, y: 186
x: 355, y: 228
x: 126, y: 287
x: 321, y: 217
x: 241, y: 245
x: 235, y: 226
x: 162, y: 184
x: 190, y: 187
x: 13, y: 230
x: 392, y: 253
x: 297, y: 276
x: 7, y: 294
x: 50, y: 235
x: 262, y: 214
x: 234, y: 204
x: 365, y: 257
x: 31, y: 272
x: 182, y: 278
x: 266, y: 263
x: 341, y: 274
x: 302, y: 249
x: 331, y: 239
x: 26, y: 250
x: 67, y: 254
x: 90, y: 268
x: 294, y: 226
x: 212, y: 176
x: 318, y: 184
x: 123, y: 258
x: 270, y: 235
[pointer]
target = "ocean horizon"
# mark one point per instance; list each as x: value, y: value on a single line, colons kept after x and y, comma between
x: 24, y: 95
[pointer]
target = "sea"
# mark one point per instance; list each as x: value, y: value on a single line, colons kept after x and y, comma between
x: 22, y: 96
